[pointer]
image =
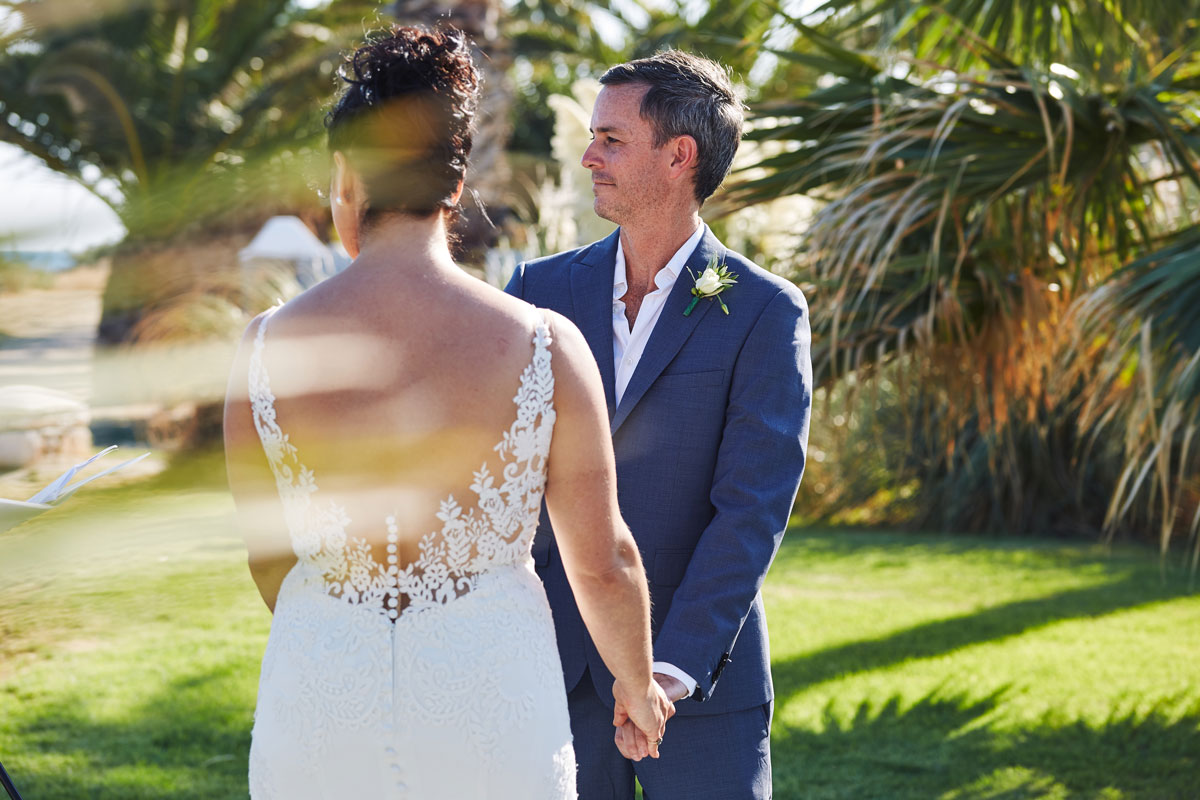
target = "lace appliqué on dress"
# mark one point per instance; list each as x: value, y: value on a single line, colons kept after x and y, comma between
x: 437, y: 678
x: 497, y: 530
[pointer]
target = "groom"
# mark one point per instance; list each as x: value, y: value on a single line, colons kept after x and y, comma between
x: 709, y: 407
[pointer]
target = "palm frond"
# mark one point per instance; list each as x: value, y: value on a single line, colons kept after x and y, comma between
x: 963, y: 211
x: 150, y: 91
x: 1143, y: 328
x: 963, y: 34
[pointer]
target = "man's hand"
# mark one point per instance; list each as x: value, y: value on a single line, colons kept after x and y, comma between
x: 631, y: 742
x: 673, y: 687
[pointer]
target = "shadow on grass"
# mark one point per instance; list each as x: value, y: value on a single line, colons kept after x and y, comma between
x: 940, y: 747
x: 1131, y: 590
x: 189, y: 740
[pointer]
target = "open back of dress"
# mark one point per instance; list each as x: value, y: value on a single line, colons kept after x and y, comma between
x: 437, y: 678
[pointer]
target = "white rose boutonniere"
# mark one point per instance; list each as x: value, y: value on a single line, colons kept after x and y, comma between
x: 715, y: 279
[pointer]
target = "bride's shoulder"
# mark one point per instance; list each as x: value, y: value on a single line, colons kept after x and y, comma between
x: 576, y: 375
x: 322, y: 313
x: 249, y: 341
x: 520, y: 324
x: 563, y: 332
x: 561, y: 335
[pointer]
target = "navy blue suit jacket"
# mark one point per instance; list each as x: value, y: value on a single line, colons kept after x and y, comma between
x: 710, y: 439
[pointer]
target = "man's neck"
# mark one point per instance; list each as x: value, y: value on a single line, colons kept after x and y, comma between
x: 648, y: 248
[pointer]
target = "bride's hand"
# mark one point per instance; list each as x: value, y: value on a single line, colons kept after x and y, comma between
x: 640, y: 718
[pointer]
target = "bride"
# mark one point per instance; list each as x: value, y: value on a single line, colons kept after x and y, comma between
x: 390, y: 435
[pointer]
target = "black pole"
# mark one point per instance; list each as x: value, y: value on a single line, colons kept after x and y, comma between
x: 8, y: 785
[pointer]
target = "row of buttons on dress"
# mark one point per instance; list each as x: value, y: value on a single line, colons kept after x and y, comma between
x: 392, y: 753
x: 393, y: 598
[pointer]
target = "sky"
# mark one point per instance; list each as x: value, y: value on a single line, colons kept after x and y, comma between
x: 41, y: 209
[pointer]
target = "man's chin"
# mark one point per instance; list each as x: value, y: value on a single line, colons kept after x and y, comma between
x: 605, y: 211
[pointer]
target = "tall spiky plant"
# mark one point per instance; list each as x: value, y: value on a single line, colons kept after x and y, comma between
x: 987, y: 169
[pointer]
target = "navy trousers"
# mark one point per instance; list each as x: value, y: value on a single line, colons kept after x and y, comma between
x: 726, y: 756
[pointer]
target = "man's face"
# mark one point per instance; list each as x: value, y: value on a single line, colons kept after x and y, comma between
x: 629, y: 175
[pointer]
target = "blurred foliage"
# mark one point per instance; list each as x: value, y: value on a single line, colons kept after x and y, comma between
x: 557, y: 43
x: 1002, y: 258
x: 175, y: 112
x: 196, y: 120
x: 1009, y: 194
x: 553, y: 44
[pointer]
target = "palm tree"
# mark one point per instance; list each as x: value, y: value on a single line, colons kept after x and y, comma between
x: 191, y: 118
x: 1009, y: 226
x: 169, y: 109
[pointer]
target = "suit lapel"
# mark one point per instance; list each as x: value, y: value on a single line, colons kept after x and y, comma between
x: 591, y: 294
x: 672, y: 328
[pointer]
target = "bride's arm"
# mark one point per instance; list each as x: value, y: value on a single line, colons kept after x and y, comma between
x: 259, y: 513
x: 598, y: 552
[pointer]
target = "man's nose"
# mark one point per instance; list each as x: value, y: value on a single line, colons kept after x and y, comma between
x: 590, y: 160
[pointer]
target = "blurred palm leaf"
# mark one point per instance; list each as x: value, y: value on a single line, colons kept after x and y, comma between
x: 1112, y: 39
x: 540, y: 30
x: 193, y: 119
x: 956, y: 187
x: 732, y: 33
x: 159, y: 105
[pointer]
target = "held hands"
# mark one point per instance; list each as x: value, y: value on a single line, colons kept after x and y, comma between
x: 641, y: 720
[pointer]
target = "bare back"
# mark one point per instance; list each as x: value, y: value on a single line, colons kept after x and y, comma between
x: 396, y: 405
x: 410, y: 632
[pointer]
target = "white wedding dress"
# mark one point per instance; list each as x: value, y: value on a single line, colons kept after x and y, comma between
x: 434, y: 679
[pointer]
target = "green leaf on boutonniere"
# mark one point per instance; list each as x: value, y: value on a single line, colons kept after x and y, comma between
x: 715, y: 279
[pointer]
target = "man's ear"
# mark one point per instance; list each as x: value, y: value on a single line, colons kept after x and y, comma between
x: 684, y: 155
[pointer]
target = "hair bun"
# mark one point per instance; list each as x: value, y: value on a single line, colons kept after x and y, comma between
x: 409, y: 100
x: 411, y: 60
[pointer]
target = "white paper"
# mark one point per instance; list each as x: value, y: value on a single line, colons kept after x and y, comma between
x: 14, y: 512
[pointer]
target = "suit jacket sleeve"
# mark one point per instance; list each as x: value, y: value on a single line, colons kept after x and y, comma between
x: 516, y: 283
x: 759, y: 463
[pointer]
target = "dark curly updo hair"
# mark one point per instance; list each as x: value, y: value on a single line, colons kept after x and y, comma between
x: 404, y: 118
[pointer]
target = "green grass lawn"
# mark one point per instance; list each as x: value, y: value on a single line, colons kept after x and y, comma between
x: 926, y: 667
x: 906, y: 666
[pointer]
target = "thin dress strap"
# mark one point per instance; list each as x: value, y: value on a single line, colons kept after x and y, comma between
x: 262, y: 404
x: 497, y: 529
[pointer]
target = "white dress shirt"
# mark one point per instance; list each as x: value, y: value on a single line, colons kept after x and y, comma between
x: 628, y: 346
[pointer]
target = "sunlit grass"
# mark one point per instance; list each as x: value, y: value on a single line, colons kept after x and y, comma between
x: 906, y: 666
x: 131, y: 642
x: 922, y: 666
